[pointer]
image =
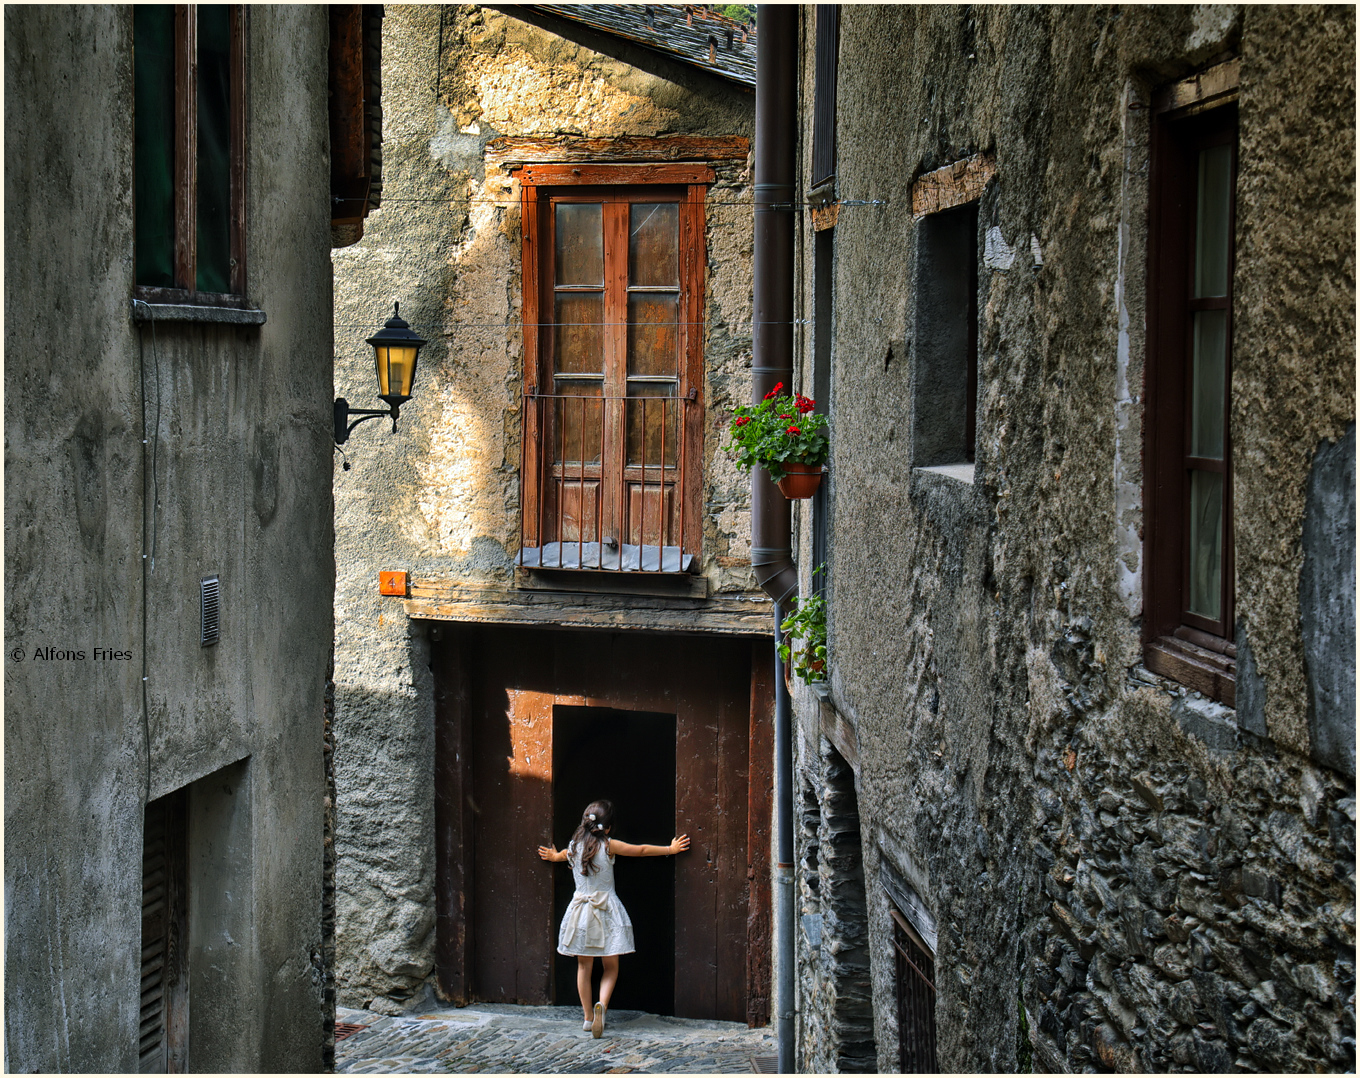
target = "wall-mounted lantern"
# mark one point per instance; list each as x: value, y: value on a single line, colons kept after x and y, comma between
x: 395, y: 349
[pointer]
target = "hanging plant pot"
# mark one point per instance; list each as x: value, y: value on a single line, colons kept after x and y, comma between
x: 802, y: 480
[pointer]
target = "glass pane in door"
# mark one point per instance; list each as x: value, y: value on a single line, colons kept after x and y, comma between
x: 1209, y: 384
x: 653, y: 412
x: 1212, y: 237
x: 654, y: 244
x: 1206, y: 544
x: 578, y: 244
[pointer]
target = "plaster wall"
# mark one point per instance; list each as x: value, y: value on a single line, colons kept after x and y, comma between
x: 1156, y: 880
x: 208, y: 445
x: 440, y: 497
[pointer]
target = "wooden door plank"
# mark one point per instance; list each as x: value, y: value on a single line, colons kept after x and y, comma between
x: 759, y: 816
x: 531, y: 819
x: 493, y: 880
x: 453, y: 820
x: 732, y: 704
x: 696, y: 880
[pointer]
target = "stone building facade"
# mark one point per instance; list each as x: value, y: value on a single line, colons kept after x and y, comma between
x: 457, y: 698
x: 1033, y: 834
x: 168, y: 558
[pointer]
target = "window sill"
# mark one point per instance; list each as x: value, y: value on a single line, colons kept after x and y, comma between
x: 1182, y: 660
x: 961, y: 473
x: 142, y: 311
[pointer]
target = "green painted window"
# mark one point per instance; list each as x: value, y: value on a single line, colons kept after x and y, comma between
x: 189, y: 147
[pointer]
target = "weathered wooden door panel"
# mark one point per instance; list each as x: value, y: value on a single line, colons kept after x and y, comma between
x: 512, y: 894
x: 516, y: 678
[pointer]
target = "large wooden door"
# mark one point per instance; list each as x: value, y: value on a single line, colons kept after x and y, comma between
x: 497, y: 929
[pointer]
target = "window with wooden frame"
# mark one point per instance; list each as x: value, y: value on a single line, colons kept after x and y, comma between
x: 1188, y: 608
x: 614, y: 262
x: 189, y: 121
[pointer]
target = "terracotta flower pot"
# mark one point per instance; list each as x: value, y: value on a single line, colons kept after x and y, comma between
x: 801, y: 482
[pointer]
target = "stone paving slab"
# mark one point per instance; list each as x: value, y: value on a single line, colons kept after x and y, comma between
x: 495, y: 1038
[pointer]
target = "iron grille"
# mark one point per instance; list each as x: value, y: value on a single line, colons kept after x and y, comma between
x: 915, y: 999
x: 607, y: 484
x: 209, y: 606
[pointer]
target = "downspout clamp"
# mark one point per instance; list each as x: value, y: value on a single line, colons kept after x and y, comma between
x: 771, y: 550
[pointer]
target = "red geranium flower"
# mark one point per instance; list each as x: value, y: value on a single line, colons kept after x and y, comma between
x: 805, y: 404
x: 775, y: 391
x: 792, y: 430
x: 741, y: 421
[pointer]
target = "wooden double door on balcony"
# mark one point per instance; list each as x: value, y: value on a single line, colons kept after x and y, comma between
x: 613, y: 419
x: 532, y: 724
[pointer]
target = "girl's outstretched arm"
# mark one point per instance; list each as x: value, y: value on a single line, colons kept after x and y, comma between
x: 626, y: 849
x: 552, y: 853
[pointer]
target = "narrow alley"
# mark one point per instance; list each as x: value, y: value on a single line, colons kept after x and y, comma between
x: 501, y: 1038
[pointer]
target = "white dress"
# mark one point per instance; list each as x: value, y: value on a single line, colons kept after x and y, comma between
x: 595, y: 922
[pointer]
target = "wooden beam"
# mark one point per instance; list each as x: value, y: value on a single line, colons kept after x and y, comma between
x: 840, y: 731
x: 511, y: 150
x: 953, y: 185
x: 441, y: 600
x: 584, y: 173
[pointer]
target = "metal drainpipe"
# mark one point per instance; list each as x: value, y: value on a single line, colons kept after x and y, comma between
x: 771, y: 551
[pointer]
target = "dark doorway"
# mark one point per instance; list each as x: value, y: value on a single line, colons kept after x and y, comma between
x: 627, y: 757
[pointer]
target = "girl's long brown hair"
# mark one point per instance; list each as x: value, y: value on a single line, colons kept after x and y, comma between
x: 590, y: 832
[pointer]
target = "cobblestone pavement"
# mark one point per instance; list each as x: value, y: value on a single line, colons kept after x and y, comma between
x: 501, y: 1038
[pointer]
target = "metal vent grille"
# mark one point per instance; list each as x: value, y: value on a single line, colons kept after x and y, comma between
x: 210, y: 606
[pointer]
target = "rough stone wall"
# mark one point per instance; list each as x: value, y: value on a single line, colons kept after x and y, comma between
x: 209, y: 445
x: 1164, y: 882
x: 441, y: 496
x: 836, y: 1033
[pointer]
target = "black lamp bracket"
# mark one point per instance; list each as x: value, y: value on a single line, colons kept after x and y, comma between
x: 343, y: 411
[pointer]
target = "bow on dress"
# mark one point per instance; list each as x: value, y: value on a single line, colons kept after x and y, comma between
x: 591, y: 907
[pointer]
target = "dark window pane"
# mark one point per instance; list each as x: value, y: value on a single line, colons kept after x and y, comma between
x: 1213, y: 243
x: 654, y: 244
x: 1209, y: 384
x: 214, y: 148
x: 153, y: 30
x: 579, y: 244
x: 578, y: 337
x: 1206, y: 543
x: 653, y: 340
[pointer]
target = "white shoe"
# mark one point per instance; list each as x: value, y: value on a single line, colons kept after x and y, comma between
x: 587, y: 1027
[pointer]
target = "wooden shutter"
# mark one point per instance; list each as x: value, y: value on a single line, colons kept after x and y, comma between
x: 824, y: 94
x: 163, y: 1035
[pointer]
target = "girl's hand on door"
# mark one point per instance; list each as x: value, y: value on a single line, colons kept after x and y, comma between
x: 552, y: 853
x: 679, y: 844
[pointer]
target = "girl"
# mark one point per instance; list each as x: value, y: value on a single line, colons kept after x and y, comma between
x: 596, y: 924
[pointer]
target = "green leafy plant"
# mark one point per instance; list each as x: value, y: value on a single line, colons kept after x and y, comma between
x: 807, y: 625
x: 780, y: 430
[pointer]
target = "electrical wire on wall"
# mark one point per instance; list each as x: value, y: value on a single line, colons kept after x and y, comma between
x: 149, y: 529
x: 748, y: 204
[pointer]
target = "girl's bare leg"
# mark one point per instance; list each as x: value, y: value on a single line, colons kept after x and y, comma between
x: 584, y: 966
x: 609, y: 980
